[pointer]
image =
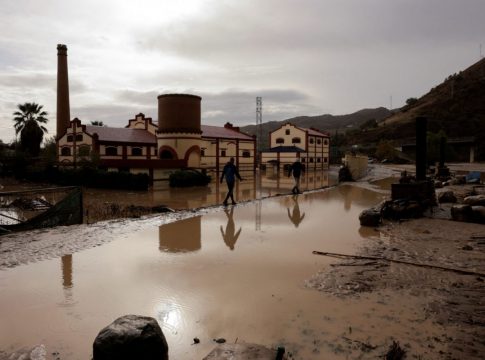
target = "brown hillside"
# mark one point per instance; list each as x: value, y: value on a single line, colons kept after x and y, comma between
x: 457, y: 106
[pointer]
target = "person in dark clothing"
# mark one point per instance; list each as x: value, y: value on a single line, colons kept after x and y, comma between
x: 230, y: 172
x: 297, y: 169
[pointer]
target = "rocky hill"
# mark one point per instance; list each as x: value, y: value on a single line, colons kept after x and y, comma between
x: 456, y: 106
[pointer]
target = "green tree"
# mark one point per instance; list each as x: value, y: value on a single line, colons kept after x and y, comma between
x: 29, y: 111
x: 385, y: 150
x: 411, y: 101
x: 28, y: 122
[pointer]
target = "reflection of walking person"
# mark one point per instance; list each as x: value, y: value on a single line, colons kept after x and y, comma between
x: 230, y: 237
x: 297, y: 169
x: 296, y: 218
x: 230, y: 172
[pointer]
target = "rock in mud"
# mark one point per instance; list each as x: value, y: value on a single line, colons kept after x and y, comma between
x: 447, y: 197
x: 370, y: 217
x: 131, y: 337
x: 478, y: 214
x: 462, y: 213
x: 475, y: 200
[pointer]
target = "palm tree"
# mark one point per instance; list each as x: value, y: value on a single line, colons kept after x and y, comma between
x: 28, y: 123
x: 29, y: 111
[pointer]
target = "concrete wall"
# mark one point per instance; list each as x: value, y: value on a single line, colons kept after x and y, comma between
x: 357, y: 165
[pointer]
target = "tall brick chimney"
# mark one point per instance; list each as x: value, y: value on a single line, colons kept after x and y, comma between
x: 63, y: 108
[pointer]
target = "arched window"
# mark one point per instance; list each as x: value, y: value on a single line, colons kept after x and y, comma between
x: 111, y: 151
x: 66, y: 151
x: 69, y: 138
x: 287, y: 132
x: 166, y: 154
x: 202, y: 152
x: 296, y: 140
x: 312, y: 140
x: 84, y: 150
x: 319, y: 141
x: 325, y: 142
x: 280, y: 140
x: 246, y: 154
x: 136, y: 151
x: 311, y: 159
x: 223, y: 153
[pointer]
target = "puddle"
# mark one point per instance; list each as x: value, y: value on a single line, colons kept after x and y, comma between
x: 237, y: 273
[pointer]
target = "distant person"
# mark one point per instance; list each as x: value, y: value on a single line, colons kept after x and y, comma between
x: 230, y: 236
x: 297, y: 169
x: 230, y: 172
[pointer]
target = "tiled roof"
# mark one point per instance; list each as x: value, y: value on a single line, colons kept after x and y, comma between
x: 314, y: 132
x: 222, y: 132
x: 122, y: 134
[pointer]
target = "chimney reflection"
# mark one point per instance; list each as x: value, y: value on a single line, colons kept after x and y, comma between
x: 67, y: 271
x: 295, y: 217
x: 230, y: 236
x: 180, y: 236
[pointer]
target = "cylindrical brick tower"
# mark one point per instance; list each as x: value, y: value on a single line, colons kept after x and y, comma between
x: 179, y: 131
x: 63, y: 109
x: 179, y: 113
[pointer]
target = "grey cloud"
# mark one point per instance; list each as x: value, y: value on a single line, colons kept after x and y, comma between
x: 38, y: 80
x: 255, y: 28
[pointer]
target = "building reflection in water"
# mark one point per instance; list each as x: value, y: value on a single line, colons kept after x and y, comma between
x: 230, y: 236
x: 180, y: 236
x: 295, y: 217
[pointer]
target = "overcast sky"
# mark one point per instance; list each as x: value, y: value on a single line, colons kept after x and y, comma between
x: 304, y: 57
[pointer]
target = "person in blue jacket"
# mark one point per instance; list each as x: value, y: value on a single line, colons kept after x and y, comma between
x: 230, y: 172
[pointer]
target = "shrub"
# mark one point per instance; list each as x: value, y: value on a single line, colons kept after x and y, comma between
x: 186, y: 178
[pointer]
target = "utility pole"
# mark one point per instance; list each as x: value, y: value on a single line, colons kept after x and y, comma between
x: 259, y: 125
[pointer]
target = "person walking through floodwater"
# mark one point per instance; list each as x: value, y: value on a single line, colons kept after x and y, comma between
x: 230, y: 172
x: 297, y: 169
x: 230, y: 236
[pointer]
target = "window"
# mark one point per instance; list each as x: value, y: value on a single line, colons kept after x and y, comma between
x: 111, y: 151
x: 287, y: 132
x: 70, y: 138
x: 166, y: 154
x: 136, y: 151
x: 223, y: 153
x: 319, y: 141
x: 280, y: 140
x: 65, y: 151
x: 312, y: 140
x: 296, y: 140
x: 325, y: 160
x: 319, y: 160
x: 325, y: 142
x: 303, y: 160
x: 84, y: 150
x: 311, y: 160
x: 246, y: 154
x: 202, y: 152
x: 79, y: 137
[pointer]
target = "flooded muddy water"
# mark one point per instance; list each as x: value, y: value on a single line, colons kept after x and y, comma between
x: 238, y: 273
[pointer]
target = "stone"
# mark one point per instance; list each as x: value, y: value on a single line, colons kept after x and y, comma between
x: 131, y: 337
x: 462, y: 213
x: 478, y: 214
x: 370, y: 217
x: 438, y: 184
x: 446, y: 197
x: 475, y: 200
x: 241, y: 351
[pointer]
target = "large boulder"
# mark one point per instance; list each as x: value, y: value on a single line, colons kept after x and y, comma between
x: 462, y: 213
x: 446, y: 197
x: 475, y: 200
x: 131, y: 337
x: 370, y: 217
x: 478, y: 214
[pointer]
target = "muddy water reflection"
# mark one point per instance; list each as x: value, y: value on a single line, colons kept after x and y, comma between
x: 249, y: 285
